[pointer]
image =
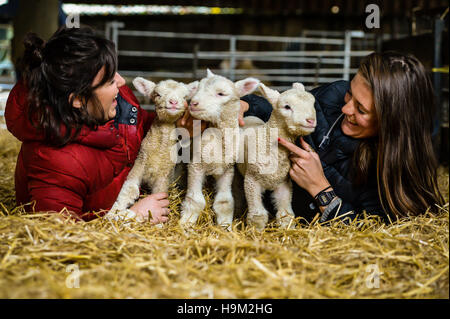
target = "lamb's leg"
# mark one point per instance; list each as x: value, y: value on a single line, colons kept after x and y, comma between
x: 257, y: 215
x: 240, y: 203
x: 223, y: 202
x: 194, y: 202
x: 282, y: 197
x: 130, y: 189
x: 161, y: 182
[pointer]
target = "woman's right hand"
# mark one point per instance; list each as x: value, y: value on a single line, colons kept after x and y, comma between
x: 157, y: 204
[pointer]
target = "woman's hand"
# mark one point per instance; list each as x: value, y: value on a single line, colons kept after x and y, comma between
x: 157, y: 204
x: 187, y: 121
x: 244, y: 108
x: 306, y: 169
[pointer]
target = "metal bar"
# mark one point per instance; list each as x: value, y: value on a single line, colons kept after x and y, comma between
x: 4, y: 86
x: 108, y: 30
x: 224, y: 72
x: 209, y: 36
x: 442, y: 146
x: 285, y: 87
x: 159, y: 74
x: 157, y: 54
x: 347, y: 54
x: 289, y: 39
x: 115, y: 25
x: 214, y: 56
x: 438, y: 28
x: 248, y: 54
x: 281, y: 59
x: 318, y: 64
x: 195, y: 61
x: 299, y: 60
x: 311, y: 79
x: 177, y: 35
x: 293, y: 71
x: 188, y: 75
x: 232, y: 57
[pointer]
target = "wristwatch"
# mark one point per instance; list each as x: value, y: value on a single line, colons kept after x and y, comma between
x: 324, y: 198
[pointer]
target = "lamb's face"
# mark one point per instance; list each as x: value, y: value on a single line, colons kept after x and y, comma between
x: 215, y: 93
x: 170, y: 97
x: 295, y: 107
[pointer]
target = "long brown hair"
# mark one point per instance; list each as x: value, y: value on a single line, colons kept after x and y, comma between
x: 65, y: 67
x: 403, y: 153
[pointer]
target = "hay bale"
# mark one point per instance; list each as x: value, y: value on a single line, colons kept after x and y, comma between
x: 41, y: 253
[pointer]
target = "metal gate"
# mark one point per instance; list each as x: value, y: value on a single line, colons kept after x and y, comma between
x: 335, y: 61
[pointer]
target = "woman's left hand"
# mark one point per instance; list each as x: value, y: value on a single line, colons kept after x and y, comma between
x: 306, y: 169
x: 187, y: 122
x: 244, y: 108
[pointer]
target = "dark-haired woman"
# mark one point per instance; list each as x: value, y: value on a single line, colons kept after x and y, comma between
x: 372, y: 148
x: 80, y: 125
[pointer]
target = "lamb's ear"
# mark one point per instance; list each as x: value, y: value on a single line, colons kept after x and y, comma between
x: 298, y: 86
x: 246, y: 86
x: 209, y: 73
x: 271, y: 95
x: 144, y: 86
x: 192, y: 88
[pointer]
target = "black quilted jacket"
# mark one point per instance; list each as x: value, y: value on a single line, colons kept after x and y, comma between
x: 335, y: 150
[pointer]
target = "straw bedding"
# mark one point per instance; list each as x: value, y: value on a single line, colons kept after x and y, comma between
x: 40, y: 255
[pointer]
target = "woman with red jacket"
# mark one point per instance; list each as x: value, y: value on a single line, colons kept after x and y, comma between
x: 80, y: 126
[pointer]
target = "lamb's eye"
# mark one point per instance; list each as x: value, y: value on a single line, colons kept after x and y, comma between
x: 287, y: 107
x: 221, y: 94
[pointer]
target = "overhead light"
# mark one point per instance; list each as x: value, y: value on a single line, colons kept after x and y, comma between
x: 99, y: 9
x: 335, y: 9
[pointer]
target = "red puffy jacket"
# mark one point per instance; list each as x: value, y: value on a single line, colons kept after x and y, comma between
x: 86, y: 175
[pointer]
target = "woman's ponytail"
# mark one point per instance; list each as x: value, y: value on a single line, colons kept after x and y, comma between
x: 33, y: 55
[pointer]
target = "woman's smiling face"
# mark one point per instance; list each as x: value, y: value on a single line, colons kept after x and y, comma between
x: 106, y: 95
x: 360, y: 120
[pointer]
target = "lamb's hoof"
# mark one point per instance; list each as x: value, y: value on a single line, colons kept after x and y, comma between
x: 286, y: 222
x: 259, y: 221
x: 188, y: 220
x: 225, y: 222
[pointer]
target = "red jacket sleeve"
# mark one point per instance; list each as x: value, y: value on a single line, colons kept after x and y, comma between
x: 16, y: 117
x: 61, y: 183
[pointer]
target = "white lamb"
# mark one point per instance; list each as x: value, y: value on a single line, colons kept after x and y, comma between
x: 293, y: 115
x: 217, y: 102
x: 154, y: 165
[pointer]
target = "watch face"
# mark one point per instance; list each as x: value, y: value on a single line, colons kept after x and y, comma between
x: 325, y: 198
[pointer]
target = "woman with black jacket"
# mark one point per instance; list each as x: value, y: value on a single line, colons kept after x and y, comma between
x: 371, y: 150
